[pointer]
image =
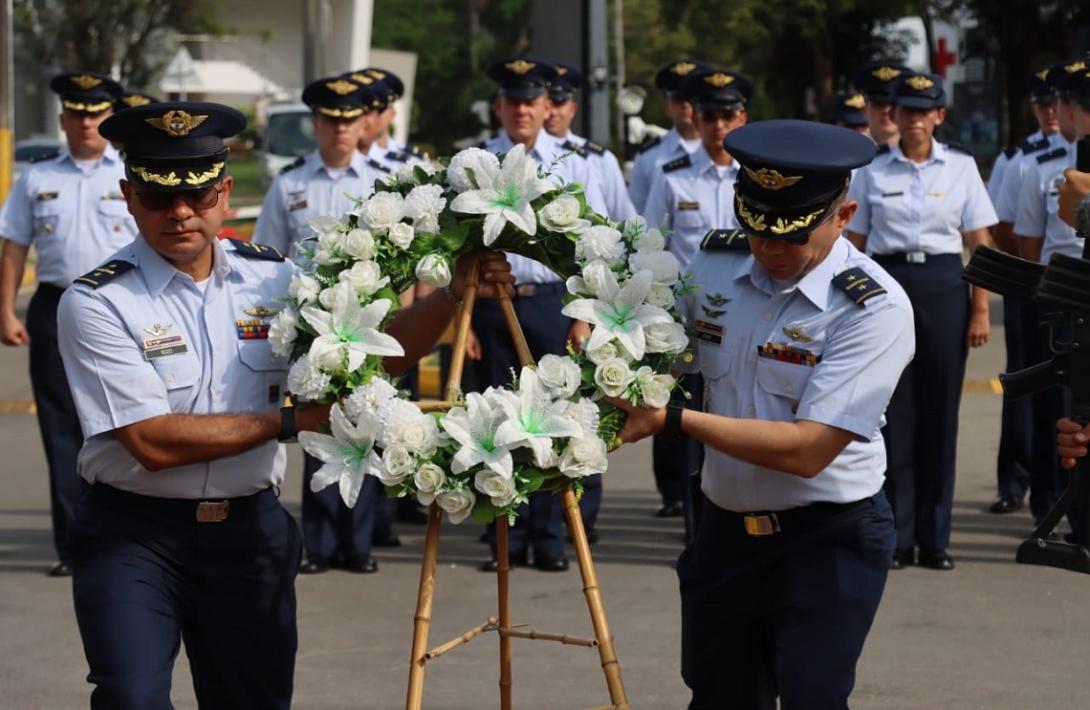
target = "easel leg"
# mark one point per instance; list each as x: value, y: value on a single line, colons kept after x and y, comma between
x: 610, y: 666
x: 503, y: 569
x: 422, y: 620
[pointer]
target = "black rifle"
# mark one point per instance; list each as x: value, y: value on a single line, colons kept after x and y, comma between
x: 1064, y: 283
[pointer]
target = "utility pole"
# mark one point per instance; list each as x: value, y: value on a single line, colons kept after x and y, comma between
x: 7, y: 92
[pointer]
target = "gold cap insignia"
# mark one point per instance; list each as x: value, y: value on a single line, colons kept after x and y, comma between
x: 198, y: 179
x: 170, y: 179
x: 1043, y: 75
x: 561, y: 71
x: 342, y: 112
x: 771, y: 179
x: 86, y: 108
x: 919, y: 82
x: 855, y: 101
x: 176, y: 123
x: 683, y: 68
x: 360, y: 78
x: 886, y: 73
x: 380, y: 75
x: 1074, y: 67
x: 520, y: 66
x: 719, y: 79
x: 340, y: 87
x: 85, y: 82
x: 135, y: 100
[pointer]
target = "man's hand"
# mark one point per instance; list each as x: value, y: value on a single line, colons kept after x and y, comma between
x: 641, y: 423
x: 473, y: 346
x: 1071, y: 441
x: 1076, y: 186
x: 311, y: 417
x: 12, y: 331
x: 979, y: 329
x: 495, y: 273
x: 578, y: 334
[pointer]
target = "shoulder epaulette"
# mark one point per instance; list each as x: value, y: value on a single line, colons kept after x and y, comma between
x: 1009, y: 151
x: 293, y: 165
x: 417, y: 152
x: 398, y: 155
x: 857, y: 284
x: 575, y: 148
x: 1029, y: 146
x: 595, y: 148
x: 649, y: 144
x: 48, y: 156
x: 377, y: 165
x: 483, y: 145
x: 256, y: 251
x: 677, y: 164
x: 883, y: 149
x: 725, y: 239
x: 1052, y: 155
x: 959, y: 148
x: 106, y: 273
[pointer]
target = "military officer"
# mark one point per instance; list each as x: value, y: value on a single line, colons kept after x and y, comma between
x: 920, y: 203
x: 69, y: 208
x: 848, y: 112
x: 692, y: 197
x: 377, y: 142
x: 134, y: 98
x: 1042, y: 102
x: 780, y: 588
x: 875, y: 81
x: 324, y: 183
x: 558, y: 124
x: 681, y: 140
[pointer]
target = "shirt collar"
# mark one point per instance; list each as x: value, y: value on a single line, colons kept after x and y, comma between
x: 938, y: 153
x: 110, y: 155
x: 814, y: 285
x: 316, y: 165
x: 702, y: 163
x: 158, y: 272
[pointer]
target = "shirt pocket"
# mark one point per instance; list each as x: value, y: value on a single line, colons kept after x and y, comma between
x: 177, y: 371
x: 115, y: 218
x: 717, y: 362
x: 780, y: 386
x: 261, y: 379
x: 690, y: 220
x: 47, y: 215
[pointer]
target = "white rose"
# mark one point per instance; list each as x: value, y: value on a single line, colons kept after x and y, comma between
x: 332, y: 242
x: 655, y: 389
x: 402, y: 235
x: 606, y: 351
x: 583, y: 456
x: 600, y: 242
x: 473, y: 169
x: 406, y: 426
x: 282, y: 331
x: 559, y: 374
x: 661, y: 295
x: 306, y: 381
x: 458, y: 504
x: 365, y: 277
x: 382, y: 210
x: 304, y: 289
x: 665, y: 338
x: 596, y: 277
x: 328, y: 297
x: 423, y: 205
x: 434, y: 270
x: 428, y: 479
x: 613, y: 377
x: 585, y: 412
x: 359, y: 244
x: 562, y: 215
x: 397, y: 465
x: 662, y: 264
x: 501, y: 490
x: 651, y: 240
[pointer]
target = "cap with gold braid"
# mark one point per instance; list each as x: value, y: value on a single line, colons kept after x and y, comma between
x: 792, y: 173
x: 86, y: 91
x: 134, y: 98
x: 522, y: 78
x: 174, y: 146
x: 848, y: 109
x: 919, y: 91
x: 342, y: 98
x: 669, y: 78
x: 708, y: 87
x: 875, y: 81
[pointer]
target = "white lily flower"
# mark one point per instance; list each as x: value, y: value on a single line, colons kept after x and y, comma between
x: 474, y: 428
x: 508, y: 198
x: 347, y: 455
x: 619, y: 312
x: 535, y: 419
x: 349, y: 331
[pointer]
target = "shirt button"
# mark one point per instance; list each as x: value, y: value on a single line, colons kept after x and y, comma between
x: 789, y: 388
x: 766, y: 315
x: 751, y: 410
x: 170, y: 377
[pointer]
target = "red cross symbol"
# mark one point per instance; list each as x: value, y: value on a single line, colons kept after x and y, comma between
x: 942, y: 58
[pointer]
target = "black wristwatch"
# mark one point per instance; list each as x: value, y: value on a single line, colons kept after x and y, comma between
x: 673, y: 421
x: 288, y: 430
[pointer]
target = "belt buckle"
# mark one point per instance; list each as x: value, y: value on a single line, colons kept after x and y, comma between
x: 762, y: 525
x: 212, y: 511
x: 526, y: 290
x: 916, y: 257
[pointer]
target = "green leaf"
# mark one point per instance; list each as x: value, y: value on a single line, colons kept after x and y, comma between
x: 484, y: 512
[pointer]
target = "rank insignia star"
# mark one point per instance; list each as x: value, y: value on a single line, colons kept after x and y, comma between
x: 717, y: 299
x: 159, y: 330
x: 261, y: 312
x: 796, y: 333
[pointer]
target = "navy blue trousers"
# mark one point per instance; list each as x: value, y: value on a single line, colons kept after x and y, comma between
x: 58, y: 421
x: 677, y: 460
x: 148, y: 576
x: 784, y: 615
x: 921, y: 433
x: 540, y: 524
x: 331, y: 529
x: 1015, y: 432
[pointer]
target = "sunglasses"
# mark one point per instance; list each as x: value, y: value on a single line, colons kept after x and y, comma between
x: 203, y: 199
x: 711, y: 115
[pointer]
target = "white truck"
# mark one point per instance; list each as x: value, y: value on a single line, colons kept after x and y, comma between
x: 288, y: 134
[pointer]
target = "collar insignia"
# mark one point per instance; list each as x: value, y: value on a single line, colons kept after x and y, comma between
x: 683, y: 68
x: 85, y: 82
x: 520, y: 66
x: 886, y: 73
x: 855, y: 101
x: 340, y: 87
x: 178, y: 123
x: 771, y: 179
x: 920, y: 83
x: 718, y: 79
x: 796, y: 333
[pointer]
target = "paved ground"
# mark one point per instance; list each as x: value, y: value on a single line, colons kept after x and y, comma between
x: 991, y: 634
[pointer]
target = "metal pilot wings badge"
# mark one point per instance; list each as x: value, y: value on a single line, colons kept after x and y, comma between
x: 177, y: 123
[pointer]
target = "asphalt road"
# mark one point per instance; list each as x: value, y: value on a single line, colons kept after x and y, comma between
x: 990, y: 634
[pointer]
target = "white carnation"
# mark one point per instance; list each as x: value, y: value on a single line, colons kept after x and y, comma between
x: 665, y: 338
x: 651, y: 240
x: 559, y: 374
x: 402, y: 235
x: 654, y: 389
x: 562, y: 215
x: 661, y: 295
x: 434, y: 270
x: 423, y: 206
x: 662, y: 264
x: 282, y: 331
x: 428, y: 479
x: 406, y: 426
x: 500, y: 489
x: 586, y: 413
x: 324, y: 223
x: 365, y: 277
x: 397, y: 465
x: 359, y: 244
x: 382, y: 210
x: 473, y: 169
x: 306, y: 381
x: 583, y: 456
x: 613, y: 377
x: 604, y: 352
x: 369, y: 398
x: 458, y: 504
x: 600, y: 242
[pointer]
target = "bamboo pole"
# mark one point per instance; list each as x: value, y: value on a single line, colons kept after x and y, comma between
x: 610, y: 666
x: 513, y: 326
x: 435, y: 406
x: 503, y: 568
x: 468, y: 636
x: 458, y: 351
x: 542, y: 636
x: 425, y: 595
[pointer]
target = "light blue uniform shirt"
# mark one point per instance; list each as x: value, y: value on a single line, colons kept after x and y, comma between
x: 919, y: 207
x: 862, y: 348
x: 995, y: 180
x: 565, y: 167
x: 391, y: 158
x: 306, y: 191
x: 1006, y: 205
x: 691, y: 201
x: 107, y: 335
x: 74, y: 219
x: 1038, y: 205
x: 648, y: 163
x: 610, y: 179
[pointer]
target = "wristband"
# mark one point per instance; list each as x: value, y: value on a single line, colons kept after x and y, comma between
x: 672, y: 427
x: 288, y: 431
x: 450, y: 294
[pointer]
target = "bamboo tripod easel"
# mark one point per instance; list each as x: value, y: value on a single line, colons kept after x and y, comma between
x: 501, y: 623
